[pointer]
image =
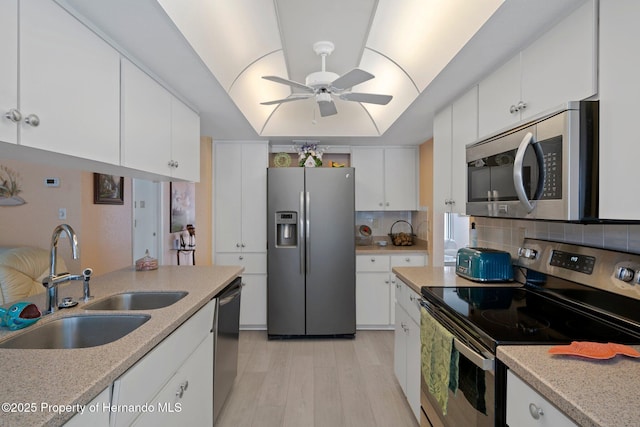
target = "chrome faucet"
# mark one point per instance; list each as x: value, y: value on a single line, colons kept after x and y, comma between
x: 53, y: 280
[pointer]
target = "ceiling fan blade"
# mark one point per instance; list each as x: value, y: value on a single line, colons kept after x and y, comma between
x: 288, y: 83
x: 351, y: 78
x: 288, y: 99
x: 370, y: 98
x: 327, y: 108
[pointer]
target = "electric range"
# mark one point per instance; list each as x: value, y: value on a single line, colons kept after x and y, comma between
x: 563, y: 293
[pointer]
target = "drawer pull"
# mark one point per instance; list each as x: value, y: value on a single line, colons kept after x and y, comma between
x: 407, y: 260
x: 535, y: 411
x: 183, y: 387
x: 373, y: 260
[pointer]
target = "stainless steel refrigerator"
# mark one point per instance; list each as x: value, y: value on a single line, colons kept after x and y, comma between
x: 311, y: 280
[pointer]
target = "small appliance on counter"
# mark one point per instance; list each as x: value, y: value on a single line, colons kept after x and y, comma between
x: 484, y: 265
x: 363, y: 235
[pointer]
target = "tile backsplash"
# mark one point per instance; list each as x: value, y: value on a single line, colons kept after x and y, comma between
x: 507, y: 235
x: 381, y: 221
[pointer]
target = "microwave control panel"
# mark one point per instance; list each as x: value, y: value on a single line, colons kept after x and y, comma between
x: 552, y: 149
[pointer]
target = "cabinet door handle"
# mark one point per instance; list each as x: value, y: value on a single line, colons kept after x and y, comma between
x: 242, y: 245
x: 521, y: 106
x: 387, y: 204
x: 32, y: 120
x: 513, y: 109
x: 13, y: 115
x: 535, y: 411
x: 237, y: 245
x: 240, y: 257
x: 181, y: 389
x: 380, y: 204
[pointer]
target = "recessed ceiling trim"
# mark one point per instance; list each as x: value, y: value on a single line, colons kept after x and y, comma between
x: 395, y: 63
x: 266, y: 122
x: 235, y: 79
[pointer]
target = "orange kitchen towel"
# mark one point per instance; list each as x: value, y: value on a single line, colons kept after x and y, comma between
x: 594, y: 350
x: 439, y: 358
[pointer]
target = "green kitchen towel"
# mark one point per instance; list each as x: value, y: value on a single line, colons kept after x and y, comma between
x: 439, y: 359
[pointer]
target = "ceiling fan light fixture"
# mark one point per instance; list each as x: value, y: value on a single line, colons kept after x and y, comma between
x: 323, y: 97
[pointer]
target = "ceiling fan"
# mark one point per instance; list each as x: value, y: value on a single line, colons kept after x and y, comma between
x: 324, y: 84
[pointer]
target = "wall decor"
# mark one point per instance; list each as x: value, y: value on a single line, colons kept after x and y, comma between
x: 108, y: 189
x: 10, y: 187
x: 183, y: 205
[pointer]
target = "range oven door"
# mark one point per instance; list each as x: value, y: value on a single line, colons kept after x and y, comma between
x: 473, y: 403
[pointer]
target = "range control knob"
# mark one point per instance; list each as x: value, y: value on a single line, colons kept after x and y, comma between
x: 527, y: 253
x: 625, y: 274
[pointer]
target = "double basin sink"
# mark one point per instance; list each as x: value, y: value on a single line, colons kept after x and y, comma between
x: 82, y: 331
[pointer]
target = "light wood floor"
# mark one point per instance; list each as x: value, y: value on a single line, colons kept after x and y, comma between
x: 319, y: 382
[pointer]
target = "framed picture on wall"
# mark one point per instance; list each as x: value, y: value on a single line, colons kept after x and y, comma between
x: 108, y: 189
x: 182, y: 206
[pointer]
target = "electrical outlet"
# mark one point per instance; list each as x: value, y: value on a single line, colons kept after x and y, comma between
x: 62, y: 213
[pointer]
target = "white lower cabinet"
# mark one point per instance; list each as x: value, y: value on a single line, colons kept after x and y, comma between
x: 187, y: 398
x: 253, y: 303
x: 407, y: 348
x: 527, y: 408
x: 375, y: 287
x: 96, y: 413
x: 164, y: 369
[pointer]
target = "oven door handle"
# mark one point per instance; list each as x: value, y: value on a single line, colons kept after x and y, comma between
x: 474, y: 356
x: 518, y: 178
x: 477, y: 359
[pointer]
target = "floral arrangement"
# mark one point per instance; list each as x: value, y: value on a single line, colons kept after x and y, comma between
x: 310, y: 151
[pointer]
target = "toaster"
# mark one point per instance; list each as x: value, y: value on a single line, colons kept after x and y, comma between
x: 484, y: 265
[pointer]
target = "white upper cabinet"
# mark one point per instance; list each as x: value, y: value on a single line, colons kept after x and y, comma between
x: 185, y: 141
x: 619, y: 92
x: 240, y: 197
x: 386, y: 178
x: 69, y: 82
x: 498, y: 96
x: 9, y: 71
x: 558, y: 67
x: 146, y: 122
x: 453, y: 128
x: 401, y: 179
x: 369, y: 167
x: 160, y: 135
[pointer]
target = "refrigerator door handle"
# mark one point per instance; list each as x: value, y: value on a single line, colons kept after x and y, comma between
x: 308, y: 240
x: 301, y: 232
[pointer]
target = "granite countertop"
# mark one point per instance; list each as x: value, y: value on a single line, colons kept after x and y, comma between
x: 416, y: 277
x: 419, y: 247
x: 592, y: 392
x: 76, y: 376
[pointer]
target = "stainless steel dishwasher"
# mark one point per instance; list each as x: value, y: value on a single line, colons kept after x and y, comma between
x: 225, y: 350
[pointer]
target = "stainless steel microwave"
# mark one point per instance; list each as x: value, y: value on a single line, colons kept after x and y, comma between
x: 544, y: 169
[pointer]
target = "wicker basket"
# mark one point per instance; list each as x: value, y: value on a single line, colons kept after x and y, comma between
x: 402, y: 239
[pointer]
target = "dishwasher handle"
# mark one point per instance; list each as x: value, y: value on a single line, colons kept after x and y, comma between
x: 231, y: 293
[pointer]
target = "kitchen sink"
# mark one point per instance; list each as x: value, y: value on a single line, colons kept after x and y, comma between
x: 76, y: 332
x: 137, y: 301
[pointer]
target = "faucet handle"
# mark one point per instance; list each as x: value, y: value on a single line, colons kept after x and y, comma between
x: 86, y: 291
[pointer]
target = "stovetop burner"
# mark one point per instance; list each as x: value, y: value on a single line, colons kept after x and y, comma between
x: 526, y: 324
